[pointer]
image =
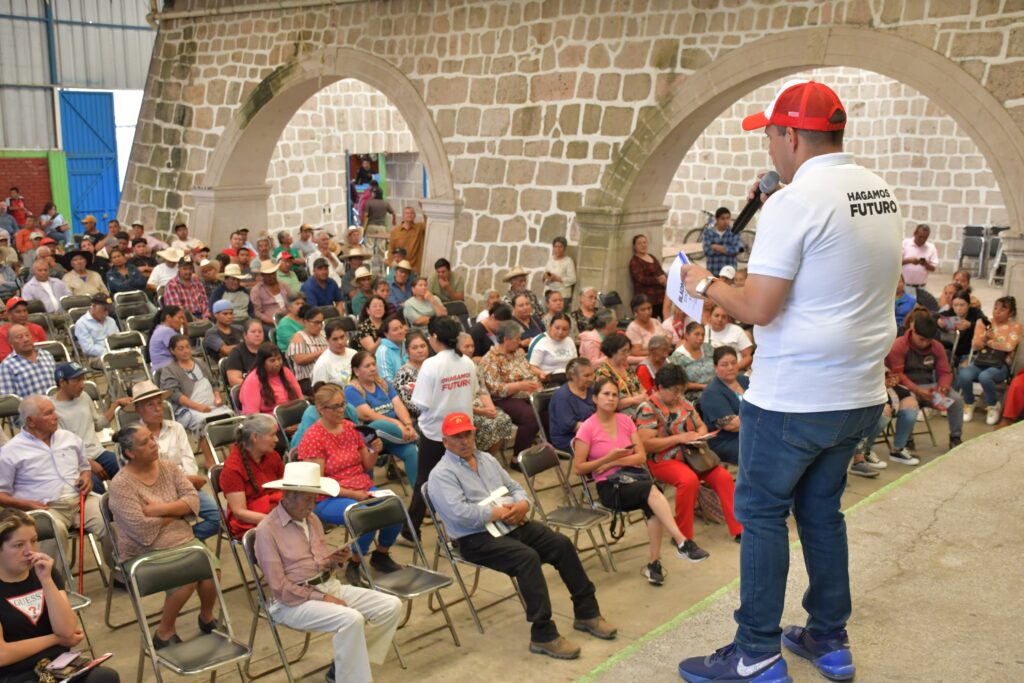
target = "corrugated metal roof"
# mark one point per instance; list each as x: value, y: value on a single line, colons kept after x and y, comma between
x: 22, y: 8
x: 105, y: 58
x: 23, y: 52
x: 26, y: 119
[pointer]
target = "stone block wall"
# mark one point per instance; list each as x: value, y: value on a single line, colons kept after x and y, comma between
x: 938, y: 174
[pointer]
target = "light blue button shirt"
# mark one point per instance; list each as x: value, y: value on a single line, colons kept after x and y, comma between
x: 92, y: 334
x: 32, y: 470
x: 455, y: 490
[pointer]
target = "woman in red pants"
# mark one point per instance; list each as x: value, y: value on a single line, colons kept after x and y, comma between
x: 666, y: 423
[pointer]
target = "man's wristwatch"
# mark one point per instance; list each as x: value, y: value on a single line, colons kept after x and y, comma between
x: 702, y: 286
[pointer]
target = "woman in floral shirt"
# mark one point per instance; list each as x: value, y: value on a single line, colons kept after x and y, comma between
x: 511, y: 380
x: 616, y: 348
x: 371, y: 318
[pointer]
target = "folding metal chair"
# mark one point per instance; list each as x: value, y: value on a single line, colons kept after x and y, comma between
x: 125, y: 340
x: 330, y: 312
x: 972, y: 246
x: 43, y: 320
x: 412, y: 581
x: 9, y: 412
x: 75, y: 301
x: 290, y: 415
x: 139, y: 323
x: 123, y: 369
x: 51, y: 534
x: 444, y: 543
x: 196, y: 331
x: 235, y: 397
x: 575, y: 516
x: 220, y: 435
x: 225, y: 532
x: 261, y: 610
x: 56, y: 349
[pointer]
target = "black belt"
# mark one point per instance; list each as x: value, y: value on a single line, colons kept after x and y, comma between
x: 323, y: 577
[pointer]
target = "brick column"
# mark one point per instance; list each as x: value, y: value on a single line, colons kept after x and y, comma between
x: 221, y: 210
x: 440, y: 239
x: 606, y: 245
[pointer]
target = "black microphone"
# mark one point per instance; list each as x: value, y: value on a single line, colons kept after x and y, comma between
x: 769, y: 181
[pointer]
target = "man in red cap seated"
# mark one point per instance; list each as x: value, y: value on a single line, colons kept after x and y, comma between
x: 17, y: 314
x: 498, y: 536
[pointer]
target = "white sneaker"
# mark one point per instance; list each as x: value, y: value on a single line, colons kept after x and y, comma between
x: 920, y: 415
x: 968, y: 412
x: 993, y: 414
x: 874, y: 461
x: 904, y: 457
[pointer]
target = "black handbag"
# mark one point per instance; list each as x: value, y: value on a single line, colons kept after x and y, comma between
x: 990, y: 358
x: 624, y: 477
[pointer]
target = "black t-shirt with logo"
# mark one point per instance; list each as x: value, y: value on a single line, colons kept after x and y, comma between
x: 24, y: 615
x: 920, y: 366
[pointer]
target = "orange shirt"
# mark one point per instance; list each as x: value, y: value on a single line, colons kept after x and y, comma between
x: 411, y: 239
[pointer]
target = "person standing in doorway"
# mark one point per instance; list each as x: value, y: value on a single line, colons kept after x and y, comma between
x: 834, y: 222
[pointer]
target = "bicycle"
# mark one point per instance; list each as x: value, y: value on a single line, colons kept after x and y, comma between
x: 696, y: 236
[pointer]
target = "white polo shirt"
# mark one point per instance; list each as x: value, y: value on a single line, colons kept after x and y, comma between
x: 913, y: 274
x: 835, y: 232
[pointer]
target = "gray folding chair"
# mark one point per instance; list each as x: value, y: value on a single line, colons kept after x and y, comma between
x: 289, y: 415
x: 225, y: 533
x: 542, y: 458
x: 75, y: 301
x: 412, y: 581
x: 455, y: 558
x: 56, y: 349
x: 120, y: 341
x: 261, y: 610
x: 123, y: 369
x: 51, y: 534
x: 221, y: 435
x: 9, y: 412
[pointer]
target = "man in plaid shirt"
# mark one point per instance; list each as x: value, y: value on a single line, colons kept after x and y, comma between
x: 27, y: 371
x: 721, y: 244
x: 187, y: 291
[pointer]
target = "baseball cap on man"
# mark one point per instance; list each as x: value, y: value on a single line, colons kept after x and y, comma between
x: 457, y: 423
x: 804, y: 105
x: 66, y: 371
x: 14, y: 301
x: 222, y: 305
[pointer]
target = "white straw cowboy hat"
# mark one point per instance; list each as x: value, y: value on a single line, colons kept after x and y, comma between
x: 170, y: 254
x: 304, y: 477
x: 146, y: 389
x: 514, y: 273
x: 356, y: 252
x: 266, y: 268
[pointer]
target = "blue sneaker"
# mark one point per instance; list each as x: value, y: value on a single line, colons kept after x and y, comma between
x: 829, y: 653
x: 731, y: 664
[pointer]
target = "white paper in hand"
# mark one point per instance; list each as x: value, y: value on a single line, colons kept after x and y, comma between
x: 690, y: 305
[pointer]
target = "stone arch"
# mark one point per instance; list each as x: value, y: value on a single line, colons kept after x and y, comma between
x: 234, y: 189
x: 634, y: 185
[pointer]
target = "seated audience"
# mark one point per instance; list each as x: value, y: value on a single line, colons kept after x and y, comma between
x: 606, y: 443
x: 251, y: 463
x: 172, y: 440
x: 421, y: 306
x: 194, y: 394
x: 335, y: 364
x: 150, y: 501
x: 269, y: 384
x: 646, y: 273
x: 615, y: 348
x: 720, y: 404
x: 371, y: 320
x: 493, y: 426
x: 556, y: 304
x: 165, y: 270
x: 45, y: 467
x: 491, y: 297
x: 994, y: 345
x: 530, y: 324
x: 168, y: 322
x: 905, y: 303
x: 242, y: 358
x: 363, y: 281
x: 48, y: 628
x: 510, y: 379
x: 445, y: 284
x: 571, y: 404
x: 516, y: 279
x: 306, y: 347
x: 123, y: 275
x: 464, y: 477
x: 42, y: 287
x: 391, y: 353
x: 920, y: 361
x: 668, y: 425
x: 17, y: 314
x: 222, y: 338
x: 93, y: 328
x: 721, y: 331
x: 658, y: 348
x: 80, y: 279
x: 551, y: 351
x: 340, y: 452
x: 483, y: 332
x: 960, y: 316
x: 604, y: 325
x: 642, y: 327
x: 377, y: 405
x: 902, y: 405
x: 291, y: 322
x: 77, y: 413
x: 400, y: 288
x: 696, y: 357
x: 232, y: 290
x: 299, y: 570
x: 321, y: 289
x: 269, y: 296
x: 186, y: 291
x: 405, y: 379
x: 27, y: 370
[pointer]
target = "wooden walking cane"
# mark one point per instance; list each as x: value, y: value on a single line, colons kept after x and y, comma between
x: 81, y: 541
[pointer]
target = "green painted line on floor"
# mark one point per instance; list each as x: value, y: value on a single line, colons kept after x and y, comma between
x: 698, y: 607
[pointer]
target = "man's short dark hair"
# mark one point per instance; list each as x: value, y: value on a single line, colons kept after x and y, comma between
x: 179, y: 225
x: 123, y: 236
x: 442, y: 263
x: 139, y: 240
x: 923, y: 226
x: 501, y: 311
x: 925, y: 327
x: 722, y: 211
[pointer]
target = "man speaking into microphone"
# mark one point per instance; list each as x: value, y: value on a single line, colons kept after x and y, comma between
x: 820, y: 293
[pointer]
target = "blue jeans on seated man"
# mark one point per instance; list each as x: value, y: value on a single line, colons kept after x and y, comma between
x: 108, y: 461
x: 955, y: 413
x: 209, y: 517
x: 332, y: 511
x: 987, y: 377
x: 794, y: 461
x: 406, y: 452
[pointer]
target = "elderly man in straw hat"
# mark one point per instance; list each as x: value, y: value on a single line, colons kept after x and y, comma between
x: 166, y: 270
x: 269, y: 296
x: 516, y: 280
x: 299, y: 569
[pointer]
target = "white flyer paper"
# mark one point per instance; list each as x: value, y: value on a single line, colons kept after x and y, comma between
x: 690, y: 305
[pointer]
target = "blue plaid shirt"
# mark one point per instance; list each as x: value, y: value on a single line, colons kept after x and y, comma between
x: 22, y: 377
x: 732, y: 243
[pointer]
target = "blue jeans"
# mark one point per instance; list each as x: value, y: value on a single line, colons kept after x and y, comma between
x: 108, y: 461
x: 332, y: 511
x: 988, y: 377
x: 406, y: 452
x: 794, y: 461
x: 209, y: 517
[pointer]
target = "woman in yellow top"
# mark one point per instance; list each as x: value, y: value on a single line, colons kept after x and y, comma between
x: 994, y: 347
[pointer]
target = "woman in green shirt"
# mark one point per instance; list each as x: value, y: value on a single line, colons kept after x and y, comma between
x: 291, y: 322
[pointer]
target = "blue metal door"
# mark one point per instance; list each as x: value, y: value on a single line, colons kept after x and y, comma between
x: 90, y: 144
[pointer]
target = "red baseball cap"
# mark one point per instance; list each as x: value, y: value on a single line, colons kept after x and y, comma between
x: 14, y: 301
x: 285, y: 256
x: 457, y: 423
x: 804, y: 105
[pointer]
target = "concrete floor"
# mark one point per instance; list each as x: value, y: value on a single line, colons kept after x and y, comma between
x: 945, y: 527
